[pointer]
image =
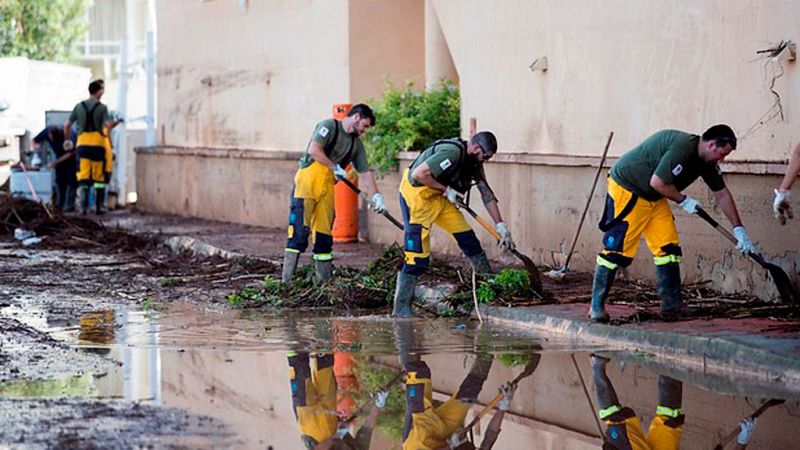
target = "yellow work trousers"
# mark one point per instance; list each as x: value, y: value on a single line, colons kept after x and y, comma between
x: 626, y: 218
x: 660, y: 436
x: 431, y: 427
x: 422, y: 207
x: 95, y: 159
x: 314, y: 395
x: 311, y: 212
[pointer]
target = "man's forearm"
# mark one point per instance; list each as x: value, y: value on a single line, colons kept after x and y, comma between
x: 422, y: 174
x: 792, y: 171
x: 318, y: 154
x: 666, y: 189
x: 728, y: 206
x: 369, y: 182
x: 494, y: 211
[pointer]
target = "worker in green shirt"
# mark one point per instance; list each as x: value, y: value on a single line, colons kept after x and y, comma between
x: 438, y: 179
x: 639, y: 185
x: 333, y: 145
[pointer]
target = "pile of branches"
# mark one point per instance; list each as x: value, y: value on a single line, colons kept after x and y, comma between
x: 370, y: 288
x: 60, y: 231
x: 373, y: 287
x: 701, y: 303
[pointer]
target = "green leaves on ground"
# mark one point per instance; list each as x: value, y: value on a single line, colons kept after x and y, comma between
x: 504, y: 286
x: 410, y: 119
x: 348, y: 288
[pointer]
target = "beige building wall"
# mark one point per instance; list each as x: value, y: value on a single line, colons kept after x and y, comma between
x: 269, y: 71
x: 628, y: 66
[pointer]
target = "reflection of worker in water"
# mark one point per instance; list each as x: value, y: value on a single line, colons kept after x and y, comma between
x: 314, y: 400
x: 623, y: 428
x: 429, y: 427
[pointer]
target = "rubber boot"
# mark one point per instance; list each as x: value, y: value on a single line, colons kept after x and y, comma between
x: 606, y: 395
x: 83, y: 196
x: 473, y: 383
x: 603, y: 279
x: 289, y: 265
x: 323, y: 269
x: 99, y: 200
x: 406, y: 342
x: 670, y: 392
x: 480, y: 263
x: 69, y: 201
x: 668, y: 277
x: 404, y: 294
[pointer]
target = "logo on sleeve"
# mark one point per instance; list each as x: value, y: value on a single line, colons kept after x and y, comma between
x: 677, y: 170
x: 323, y: 131
x: 445, y: 164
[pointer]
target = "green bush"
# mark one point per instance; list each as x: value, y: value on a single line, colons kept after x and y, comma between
x: 407, y: 119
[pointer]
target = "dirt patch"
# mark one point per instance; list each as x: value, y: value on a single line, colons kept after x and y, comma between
x: 94, y: 424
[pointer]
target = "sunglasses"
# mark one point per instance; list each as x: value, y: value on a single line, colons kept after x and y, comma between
x: 486, y: 155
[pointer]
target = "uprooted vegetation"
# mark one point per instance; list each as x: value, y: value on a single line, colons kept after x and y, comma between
x: 373, y: 287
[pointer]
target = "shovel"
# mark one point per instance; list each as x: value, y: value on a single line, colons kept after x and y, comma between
x: 782, y: 281
x: 527, y: 371
x: 536, y: 279
x: 385, y: 213
x: 768, y: 404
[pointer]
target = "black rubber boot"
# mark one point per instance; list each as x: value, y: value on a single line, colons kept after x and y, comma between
x: 606, y: 395
x: 404, y: 294
x: 289, y: 265
x: 99, y: 200
x: 480, y: 263
x: 670, y: 392
x: 323, y: 269
x: 83, y: 196
x: 473, y: 383
x: 603, y: 279
x: 668, y: 286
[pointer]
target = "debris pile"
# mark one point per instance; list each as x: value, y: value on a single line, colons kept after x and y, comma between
x: 60, y: 231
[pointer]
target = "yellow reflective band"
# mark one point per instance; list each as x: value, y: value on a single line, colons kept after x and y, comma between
x: 323, y: 257
x: 99, y: 185
x: 606, y: 263
x: 291, y: 231
x: 291, y: 250
x: 666, y: 259
x: 668, y: 412
x: 609, y: 411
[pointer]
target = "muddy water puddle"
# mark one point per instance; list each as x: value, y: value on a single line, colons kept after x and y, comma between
x: 207, y: 377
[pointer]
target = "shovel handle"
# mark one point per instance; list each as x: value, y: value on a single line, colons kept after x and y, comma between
x: 768, y: 404
x: 359, y: 192
x: 705, y: 216
x: 479, y: 219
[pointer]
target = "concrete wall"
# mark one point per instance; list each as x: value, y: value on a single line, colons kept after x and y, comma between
x: 259, y: 77
x: 630, y: 67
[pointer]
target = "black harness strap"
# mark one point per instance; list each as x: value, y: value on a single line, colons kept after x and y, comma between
x: 90, y: 125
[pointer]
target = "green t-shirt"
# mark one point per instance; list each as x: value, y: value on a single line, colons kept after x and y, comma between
x: 347, y: 148
x: 80, y: 113
x: 670, y: 154
x: 449, y: 164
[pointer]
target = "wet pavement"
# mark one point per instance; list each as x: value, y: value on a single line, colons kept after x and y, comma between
x: 205, y: 376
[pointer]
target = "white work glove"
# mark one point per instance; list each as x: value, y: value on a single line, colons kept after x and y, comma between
x: 342, y: 430
x: 338, y: 172
x: 453, y: 196
x: 743, y: 242
x: 689, y: 205
x: 781, y: 206
x: 378, y: 204
x: 508, y: 391
x: 506, y: 243
x: 748, y: 426
x: 380, y: 399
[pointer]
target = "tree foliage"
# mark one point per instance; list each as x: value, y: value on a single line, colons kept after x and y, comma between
x: 46, y: 30
x: 407, y: 119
